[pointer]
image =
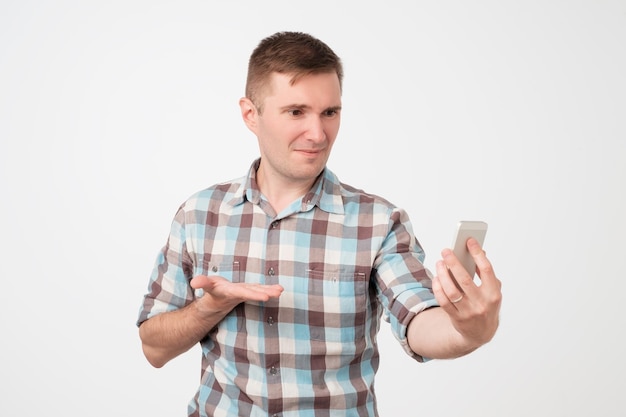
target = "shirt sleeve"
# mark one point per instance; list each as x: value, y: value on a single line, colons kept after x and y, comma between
x: 168, y: 287
x: 404, y: 283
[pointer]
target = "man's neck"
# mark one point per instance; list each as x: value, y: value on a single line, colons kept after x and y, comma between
x: 281, y: 192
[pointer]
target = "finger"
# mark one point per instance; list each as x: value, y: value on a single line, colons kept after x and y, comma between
x: 484, y: 269
x: 273, y: 290
x: 221, y: 287
x: 252, y: 292
x: 463, y: 280
x: 440, y: 296
x: 201, y: 281
x: 446, y: 285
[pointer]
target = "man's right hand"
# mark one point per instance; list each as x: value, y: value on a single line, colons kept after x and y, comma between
x: 221, y: 295
x: 167, y: 335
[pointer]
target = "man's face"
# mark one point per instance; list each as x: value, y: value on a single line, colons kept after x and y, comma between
x: 297, y: 128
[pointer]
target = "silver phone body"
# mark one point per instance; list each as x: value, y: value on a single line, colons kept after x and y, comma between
x: 466, y: 229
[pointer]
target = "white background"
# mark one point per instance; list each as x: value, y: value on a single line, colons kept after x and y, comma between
x: 512, y: 112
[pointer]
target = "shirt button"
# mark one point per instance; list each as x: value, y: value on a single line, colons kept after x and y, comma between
x: 270, y: 321
x: 271, y: 271
x: 214, y: 269
x: 273, y: 370
x: 275, y: 224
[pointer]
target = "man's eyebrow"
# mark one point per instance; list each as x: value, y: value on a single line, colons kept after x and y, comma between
x: 295, y: 106
x: 307, y: 107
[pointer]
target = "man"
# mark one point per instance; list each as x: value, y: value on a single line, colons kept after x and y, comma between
x: 283, y: 275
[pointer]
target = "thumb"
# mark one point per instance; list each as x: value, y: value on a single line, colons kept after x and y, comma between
x: 201, y: 281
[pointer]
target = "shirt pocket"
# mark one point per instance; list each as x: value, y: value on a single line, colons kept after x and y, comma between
x: 232, y: 271
x: 226, y: 268
x: 223, y: 267
x: 337, y: 305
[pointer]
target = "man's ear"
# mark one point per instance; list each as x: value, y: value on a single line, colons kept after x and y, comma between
x: 249, y: 113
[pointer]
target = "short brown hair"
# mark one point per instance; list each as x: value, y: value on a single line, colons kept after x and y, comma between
x: 294, y: 53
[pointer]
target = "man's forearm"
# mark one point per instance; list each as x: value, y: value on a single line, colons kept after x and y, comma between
x: 432, y: 335
x: 167, y: 335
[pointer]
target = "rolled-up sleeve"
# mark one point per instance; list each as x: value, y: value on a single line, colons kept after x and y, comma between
x: 404, y: 283
x: 168, y: 287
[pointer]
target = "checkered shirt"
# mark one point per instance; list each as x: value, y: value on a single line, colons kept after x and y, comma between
x: 345, y: 259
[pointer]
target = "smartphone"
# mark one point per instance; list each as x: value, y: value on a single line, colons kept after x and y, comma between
x: 464, y: 230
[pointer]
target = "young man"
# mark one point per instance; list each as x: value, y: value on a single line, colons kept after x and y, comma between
x: 283, y: 275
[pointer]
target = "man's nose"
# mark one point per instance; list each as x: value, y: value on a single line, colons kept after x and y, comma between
x: 315, y: 129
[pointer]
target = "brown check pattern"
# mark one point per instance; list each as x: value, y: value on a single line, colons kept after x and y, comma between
x: 345, y: 259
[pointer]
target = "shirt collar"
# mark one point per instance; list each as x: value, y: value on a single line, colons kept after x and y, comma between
x: 325, y: 192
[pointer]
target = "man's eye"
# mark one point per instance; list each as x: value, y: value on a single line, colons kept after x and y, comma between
x: 295, y: 112
x: 330, y: 113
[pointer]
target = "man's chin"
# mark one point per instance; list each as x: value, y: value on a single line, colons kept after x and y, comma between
x: 306, y: 171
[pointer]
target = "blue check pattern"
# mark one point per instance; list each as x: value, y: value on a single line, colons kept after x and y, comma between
x: 345, y: 258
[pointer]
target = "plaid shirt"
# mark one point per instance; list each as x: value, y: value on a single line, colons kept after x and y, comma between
x: 345, y: 258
